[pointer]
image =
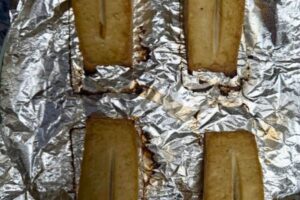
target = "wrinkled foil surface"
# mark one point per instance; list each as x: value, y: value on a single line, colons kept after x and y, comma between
x: 43, y: 108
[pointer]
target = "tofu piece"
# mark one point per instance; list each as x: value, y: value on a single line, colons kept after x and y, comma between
x: 104, y: 29
x: 110, y: 161
x: 231, y: 167
x: 213, y: 30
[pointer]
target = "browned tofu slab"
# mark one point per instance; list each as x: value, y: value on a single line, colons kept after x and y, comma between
x: 110, y: 161
x: 104, y: 29
x: 231, y: 167
x: 213, y: 31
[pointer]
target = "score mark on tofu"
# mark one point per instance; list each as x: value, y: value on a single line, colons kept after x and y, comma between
x: 216, y: 27
x: 102, y: 19
x: 104, y: 29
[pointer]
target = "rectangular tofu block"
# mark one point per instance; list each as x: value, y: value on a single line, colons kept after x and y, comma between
x: 213, y: 31
x: 110, y: 162
x: 104, y: 29
x: 231, y: 167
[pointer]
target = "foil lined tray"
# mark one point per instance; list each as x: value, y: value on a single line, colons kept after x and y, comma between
x: 43, y: 115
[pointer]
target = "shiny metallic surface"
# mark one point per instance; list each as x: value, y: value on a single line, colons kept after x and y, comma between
x: 46, y: 97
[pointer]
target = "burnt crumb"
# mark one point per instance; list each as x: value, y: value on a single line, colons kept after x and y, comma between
x: 190, y: 72
x: 89, y: 72
x: 141, y: 30
x: 201, y: 8
x: 225, y: 90
x: 143, y: 53
x: 202, y: 82
x: 139, y: 89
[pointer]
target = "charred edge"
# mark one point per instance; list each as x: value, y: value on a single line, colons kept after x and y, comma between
x: 146, y: 140
x: 143, y: 51
x: 190, y: 72
x: 149, y: 155
x: 225, y: 90
x: 74, y: 188
x: 230, y: 74
x: 203, y: 89
x: 84, y: 92
x: 202, y: 142
x: 89, y: 72
x: 202, y: 180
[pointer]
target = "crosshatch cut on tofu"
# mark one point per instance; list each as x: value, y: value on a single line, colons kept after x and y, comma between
x: 231, y: 167
x: 213, y: 31
x: 104, y: 29
x: 110, y: 160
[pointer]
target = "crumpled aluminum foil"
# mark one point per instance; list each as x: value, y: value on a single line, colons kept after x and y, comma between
x: 43, y: 114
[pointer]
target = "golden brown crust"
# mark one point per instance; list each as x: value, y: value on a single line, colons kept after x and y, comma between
x: 231, y: 167
x: 213, y: 30
x: 110, y: 162
x: 104, y: 31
